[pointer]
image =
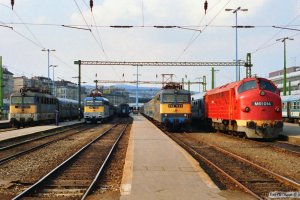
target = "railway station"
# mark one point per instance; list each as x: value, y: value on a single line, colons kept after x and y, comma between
x: 155, y: 165
x: 130, y: 100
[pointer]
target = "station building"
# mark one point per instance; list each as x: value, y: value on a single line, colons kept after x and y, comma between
x: 292, y: 78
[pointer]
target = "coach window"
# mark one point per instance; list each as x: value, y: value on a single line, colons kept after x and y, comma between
x: 266, y: 85
x: 247, y: 86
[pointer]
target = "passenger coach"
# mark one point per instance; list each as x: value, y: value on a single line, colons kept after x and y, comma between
x: 291, y: 108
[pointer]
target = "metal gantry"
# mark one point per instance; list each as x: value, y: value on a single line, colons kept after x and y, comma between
x: 144, y: 82
x: 141, y: 64
x: 124, y: 63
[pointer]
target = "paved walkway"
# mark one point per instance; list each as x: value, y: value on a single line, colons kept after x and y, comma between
x: 157, y: 168
x: 30, y: 130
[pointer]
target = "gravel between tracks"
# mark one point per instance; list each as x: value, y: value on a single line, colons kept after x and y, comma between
x: 276, y: 161
x: 29, y: 168
x: 109, y: 187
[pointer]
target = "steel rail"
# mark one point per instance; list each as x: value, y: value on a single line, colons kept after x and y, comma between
x: 288, y: 150
x: 271, y: 144
x: 63, y: 164
x: 37, y: 138
x: 195, y: 153
x: 104, y: 163
x: 277, y: 176
x: 14, y: 156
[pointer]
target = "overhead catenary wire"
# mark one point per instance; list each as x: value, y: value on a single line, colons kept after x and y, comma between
x: 265, y: 44
x: 99, y: 43
x: 202, y: 30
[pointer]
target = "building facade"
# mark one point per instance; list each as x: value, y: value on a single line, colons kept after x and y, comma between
x: 8, y: 83
x: 116, y: 96
x: 68, y: 90
x: 292, y: 79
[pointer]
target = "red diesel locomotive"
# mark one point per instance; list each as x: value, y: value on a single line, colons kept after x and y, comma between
x: 250, y: 107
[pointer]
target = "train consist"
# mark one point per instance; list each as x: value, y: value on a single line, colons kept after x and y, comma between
x: 34, y: 106
x: 291, y: 108
x: 97, y: 108
x: 250, y: 107
x: 123, y: 110
x: 170, y: 108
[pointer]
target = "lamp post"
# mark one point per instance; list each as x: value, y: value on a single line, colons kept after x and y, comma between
x: 235, y: 11
x: 53, y: 82
x: 284, y: 61
x: 48, y: 50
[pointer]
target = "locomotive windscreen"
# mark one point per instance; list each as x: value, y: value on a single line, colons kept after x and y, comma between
x: 18, y: 100
x: 266, y: 85
x: 177, y: 98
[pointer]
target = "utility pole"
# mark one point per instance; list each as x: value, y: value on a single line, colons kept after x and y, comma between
x: 284, y: 62
x: 48, y: 50
x: 79, y: 88
x: 235, y: 11
x: 137, y: 87
x: 53, y: 82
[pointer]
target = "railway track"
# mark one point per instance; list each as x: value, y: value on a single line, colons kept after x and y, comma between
x: 40, y: 134
x: 292, y: 148
x: 249, y: 176
x: 14, y: 150
x: 76, y: 176
x: 277, y: 145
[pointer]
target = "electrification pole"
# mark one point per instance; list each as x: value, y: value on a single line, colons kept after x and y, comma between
x: 284, y: 62
x: 137, y: 88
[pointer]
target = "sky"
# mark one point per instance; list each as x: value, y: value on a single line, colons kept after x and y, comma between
x: 35, y: 25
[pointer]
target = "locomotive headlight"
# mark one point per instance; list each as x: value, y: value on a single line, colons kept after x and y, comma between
x: 185, y: 115
x: 247, y: 109
x: 262, y: 93
x: 277, y: 109
x: 166, y: 115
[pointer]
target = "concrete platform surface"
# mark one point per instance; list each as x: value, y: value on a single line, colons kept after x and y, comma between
x: 157, y: 168
x: 30, y: 130
x: 291, y: 132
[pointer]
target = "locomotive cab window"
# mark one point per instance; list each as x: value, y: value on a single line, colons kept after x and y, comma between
x: 247, y: 86
x: 18, y: 100
x: 266, y: 85
x: 178, y: 98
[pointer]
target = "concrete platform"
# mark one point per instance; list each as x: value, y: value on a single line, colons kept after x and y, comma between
x: 31, y: 130
x: 291, y: 132
x: 157, y: 168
